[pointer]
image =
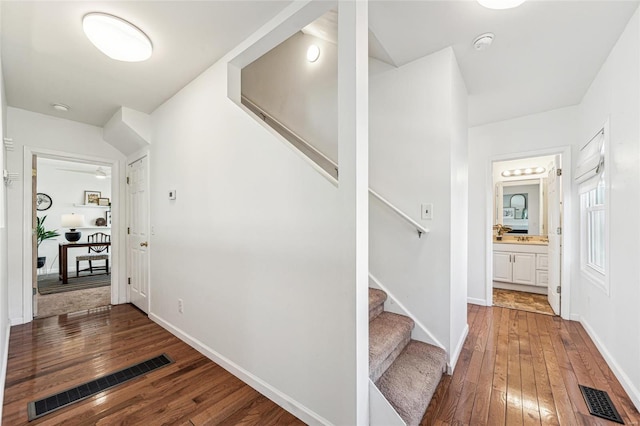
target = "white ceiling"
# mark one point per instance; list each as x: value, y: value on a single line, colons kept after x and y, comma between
x: 545, y: 54
x: 46, y: 57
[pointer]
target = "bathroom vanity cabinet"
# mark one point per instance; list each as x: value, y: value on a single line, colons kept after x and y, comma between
x: 520, y: 263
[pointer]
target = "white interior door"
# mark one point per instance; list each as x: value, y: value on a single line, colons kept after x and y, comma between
x: 554, y: 197
x: 138, y: 234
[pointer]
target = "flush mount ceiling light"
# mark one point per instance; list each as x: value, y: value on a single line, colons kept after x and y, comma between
x: 313, y: 53
x: 500, y: 4
x: 483, y: 41
x: 60, y: 107
x: 117, y: 38
x: 527, y: 171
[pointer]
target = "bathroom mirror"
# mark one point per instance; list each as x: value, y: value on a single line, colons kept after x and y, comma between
x: 523, y: 206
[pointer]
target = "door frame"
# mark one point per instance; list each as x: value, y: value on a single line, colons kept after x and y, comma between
x: 569, y: 221
x: 118, y: 289
x: 138, y: 155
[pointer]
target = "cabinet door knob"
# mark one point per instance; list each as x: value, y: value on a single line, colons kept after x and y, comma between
x: 145, y: 244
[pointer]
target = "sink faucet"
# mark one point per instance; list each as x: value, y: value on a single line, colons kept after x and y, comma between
x: 524, y: 238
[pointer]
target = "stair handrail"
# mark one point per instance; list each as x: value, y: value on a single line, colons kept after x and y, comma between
x: 421, y: 229
x: 331, y: 168
x: 287, y: 133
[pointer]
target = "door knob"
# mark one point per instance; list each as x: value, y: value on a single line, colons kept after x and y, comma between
x: 145, y: 244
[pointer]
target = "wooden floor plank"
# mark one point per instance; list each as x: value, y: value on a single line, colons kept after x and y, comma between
x: 54, y: 354
x: 529, y: 374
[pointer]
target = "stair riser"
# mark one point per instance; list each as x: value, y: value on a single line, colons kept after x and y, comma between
x: 375, y: 311
x: 379, y: 371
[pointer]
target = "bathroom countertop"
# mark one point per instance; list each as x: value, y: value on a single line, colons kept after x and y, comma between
x: 530, y: 243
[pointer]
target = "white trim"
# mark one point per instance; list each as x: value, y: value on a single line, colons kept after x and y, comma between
x: 381, y: 412
x: 453, y: 357
x: 117, y: 272
x: 625, y: 381
x: 476, y: 301
x: 397, y: 307
x: 285, y: 401
x: 5, y: 360
x: 567, y: 226
x: 16, y: 321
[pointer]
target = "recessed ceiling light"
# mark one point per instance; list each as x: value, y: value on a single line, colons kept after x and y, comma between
x: 483, y: 41
x: 313, y: 53
x: 60, y: 107
x: 501, y: 4
x: 117, y: 38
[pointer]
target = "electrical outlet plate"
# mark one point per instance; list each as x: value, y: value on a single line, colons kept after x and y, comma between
x: 427, y: 211
x: 172, y: 194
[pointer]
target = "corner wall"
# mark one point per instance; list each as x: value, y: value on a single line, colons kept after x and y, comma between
x: 418, y: 155
x: 264, y: 251
x: 32, y: 131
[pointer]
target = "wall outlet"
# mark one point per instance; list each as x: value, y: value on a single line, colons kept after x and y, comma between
x: 427, y: 211
x: 172, y: 194
x: 180, y: 306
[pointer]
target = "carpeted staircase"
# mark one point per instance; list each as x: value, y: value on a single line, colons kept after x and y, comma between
x: 406, y: 371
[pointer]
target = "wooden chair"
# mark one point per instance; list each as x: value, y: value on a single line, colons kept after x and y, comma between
x: 98, y: 252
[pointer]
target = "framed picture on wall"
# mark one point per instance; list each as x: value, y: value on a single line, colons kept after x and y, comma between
x: 92, y: 197
x: 103, y: 201
x: 509, y: 212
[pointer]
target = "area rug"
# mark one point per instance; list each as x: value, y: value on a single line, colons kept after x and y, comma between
x: 50, y: 284
x: 522, y: 301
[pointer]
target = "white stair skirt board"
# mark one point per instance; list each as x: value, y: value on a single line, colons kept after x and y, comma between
x: 381, y: 413
x: 420, y: 332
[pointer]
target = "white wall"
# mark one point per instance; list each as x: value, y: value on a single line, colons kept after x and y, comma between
x: 41, y: 133
x: 614, y: 319
x: 527, y: 136
x: 66, y: 189
x: 259, y: 246
x: 300, y: 94
x: 417, y: 155
x: 4, y: 282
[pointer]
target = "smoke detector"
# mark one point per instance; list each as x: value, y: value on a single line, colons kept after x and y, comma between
x: 483, y: 41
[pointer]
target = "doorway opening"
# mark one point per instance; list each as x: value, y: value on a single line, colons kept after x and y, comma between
x: 72, y: 211
x: 526, y: 243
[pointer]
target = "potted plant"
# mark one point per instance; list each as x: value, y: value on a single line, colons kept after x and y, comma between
x: 42, y: 234
x: 501, y: 230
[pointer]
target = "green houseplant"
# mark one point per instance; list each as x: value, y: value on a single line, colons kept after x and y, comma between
x: 41, y: 235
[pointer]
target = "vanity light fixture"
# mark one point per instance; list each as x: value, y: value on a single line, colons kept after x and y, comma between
x: 117, y: 38
x: 527, y: 171
x: 313, y: 53
x: 501, y: 4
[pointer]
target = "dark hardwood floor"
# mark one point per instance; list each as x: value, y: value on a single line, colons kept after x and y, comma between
x: 516, y: 368
x: 520, y: 368
x: 52, y: 354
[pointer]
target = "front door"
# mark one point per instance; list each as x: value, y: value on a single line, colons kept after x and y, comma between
x: 555, y: 235
x: 138, y: 233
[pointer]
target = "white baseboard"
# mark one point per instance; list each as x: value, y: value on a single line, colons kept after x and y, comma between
x: 4, y: 358
x: 575, y: 317
x: 627, y: 384
x: 16, y: 321
x: 453, y: 359
x: 474, y: 301
x: 294, y: 407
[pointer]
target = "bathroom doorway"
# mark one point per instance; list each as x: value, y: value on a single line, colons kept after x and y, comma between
x: 527, y: 238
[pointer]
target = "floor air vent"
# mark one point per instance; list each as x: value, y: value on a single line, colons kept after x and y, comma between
x: 600, y: 404
x: 51, y: 403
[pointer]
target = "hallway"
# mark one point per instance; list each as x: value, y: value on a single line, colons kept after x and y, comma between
x: 520, y: 367
x: 51, y: 355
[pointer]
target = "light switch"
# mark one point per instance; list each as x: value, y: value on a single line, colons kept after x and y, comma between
x: 172, y: 194
x: 427, y: 211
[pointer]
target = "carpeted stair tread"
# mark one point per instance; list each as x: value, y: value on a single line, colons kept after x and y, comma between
x: 388, y: 335
x: 410, y: 382
x: 376, y: 302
